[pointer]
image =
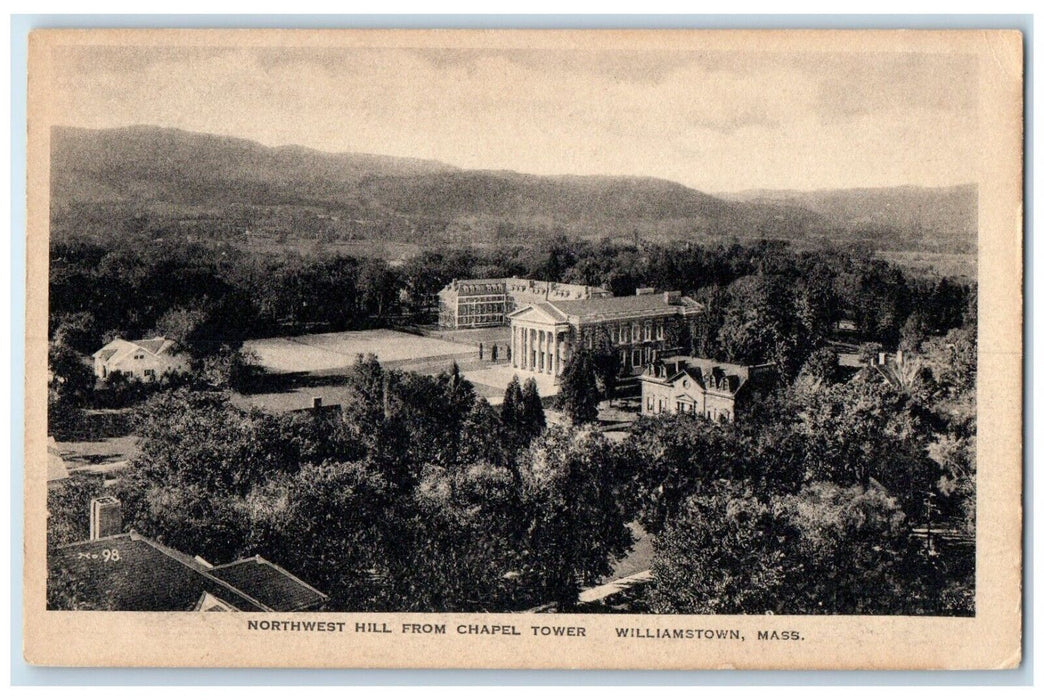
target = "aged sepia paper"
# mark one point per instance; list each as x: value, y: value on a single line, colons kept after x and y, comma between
x: 496, y: 142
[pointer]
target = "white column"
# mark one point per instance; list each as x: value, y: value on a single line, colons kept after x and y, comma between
x: 557, y: 350
x: 551, y: 353
x: 543, y: 351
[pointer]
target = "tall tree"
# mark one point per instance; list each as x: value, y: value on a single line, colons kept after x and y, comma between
x: 578, y: 393
x: 511, y: 408
x: 69, y: 507
x: 760, y: 325
x: 823, y: 365
x: 70, y: 386
x: 606, y: 362
x: 826, y: 549
x: 532, y: 414
x: 572, y: 492
x: 330, y: 524
x: 723, y: 554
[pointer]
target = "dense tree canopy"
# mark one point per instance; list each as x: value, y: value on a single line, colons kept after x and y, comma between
x: 210, y: 296
x: 419, y: 495
x: 409, y: 499
x: 825, y: 549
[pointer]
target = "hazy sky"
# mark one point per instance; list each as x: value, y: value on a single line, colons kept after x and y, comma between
x: 716, y: 121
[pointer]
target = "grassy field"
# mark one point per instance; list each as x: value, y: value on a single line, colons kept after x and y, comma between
x: 500, y: 335
x: 307, y: 367
x: 330, y: 351
x: 304, y: 368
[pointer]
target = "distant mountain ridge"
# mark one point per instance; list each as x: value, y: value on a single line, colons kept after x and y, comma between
x: 924, y: 212
x: 116, y: 177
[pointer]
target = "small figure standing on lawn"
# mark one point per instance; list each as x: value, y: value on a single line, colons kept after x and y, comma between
x: 493, y: 353
x: 480, y: 351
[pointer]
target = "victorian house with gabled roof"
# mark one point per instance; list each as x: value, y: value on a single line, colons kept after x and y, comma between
x: 700, y: 386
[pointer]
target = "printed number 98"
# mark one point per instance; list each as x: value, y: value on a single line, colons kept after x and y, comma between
x: 111, y: 554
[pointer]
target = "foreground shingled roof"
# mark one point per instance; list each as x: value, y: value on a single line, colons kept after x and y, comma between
x: 134, y: 573
x: 265, y: 581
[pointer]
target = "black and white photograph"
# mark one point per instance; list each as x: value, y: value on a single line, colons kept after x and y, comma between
x: 566, y: 327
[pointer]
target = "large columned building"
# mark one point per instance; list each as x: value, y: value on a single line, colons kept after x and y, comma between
x: 480, y: 303
x: 545, y: 334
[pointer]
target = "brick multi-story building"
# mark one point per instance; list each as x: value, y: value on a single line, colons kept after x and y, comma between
x: 480, y: 303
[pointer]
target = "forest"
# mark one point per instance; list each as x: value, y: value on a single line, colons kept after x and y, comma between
x: 207, y: 296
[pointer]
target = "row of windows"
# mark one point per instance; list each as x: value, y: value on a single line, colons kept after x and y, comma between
x: 129, y: 372
x: 637, y: 357
x: 480, y: 289
x: 473, y: 323
x: 472, y: 309
x: 659, y: 405
x: 477, y: 312
x: 624, y: 333
x: 496, y: 298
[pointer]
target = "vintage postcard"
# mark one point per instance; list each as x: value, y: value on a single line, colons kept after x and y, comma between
x: 524, y: 349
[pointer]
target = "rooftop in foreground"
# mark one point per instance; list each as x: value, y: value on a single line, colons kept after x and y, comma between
x: 135, y: 573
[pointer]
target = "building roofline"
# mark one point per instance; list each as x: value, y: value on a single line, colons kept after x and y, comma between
x: 180, y: 557
x: 258, y: 559
x: 124, y: 343
x: 536, y: 307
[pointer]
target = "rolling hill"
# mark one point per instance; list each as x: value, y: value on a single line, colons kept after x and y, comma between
x: 157, y: 181
x: 943, y: 215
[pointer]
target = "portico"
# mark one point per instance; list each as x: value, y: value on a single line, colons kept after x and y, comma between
x: 540, y: 340
x: 544, y: 335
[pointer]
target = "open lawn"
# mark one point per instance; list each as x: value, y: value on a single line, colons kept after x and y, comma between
x: 491, y: 380
x: 305, y: 367
x: 499, y: 335
x: 327, y: 351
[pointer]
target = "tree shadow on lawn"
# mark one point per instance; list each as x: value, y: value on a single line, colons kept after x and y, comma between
x: 94, y: 459
x: 288, y: 382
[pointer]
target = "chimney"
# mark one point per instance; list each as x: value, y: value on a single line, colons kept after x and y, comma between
x: 882, y: 358
x: 317, y: 402
x: 671, y: 297
x: 898, y: 357
x: 106, y: 517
